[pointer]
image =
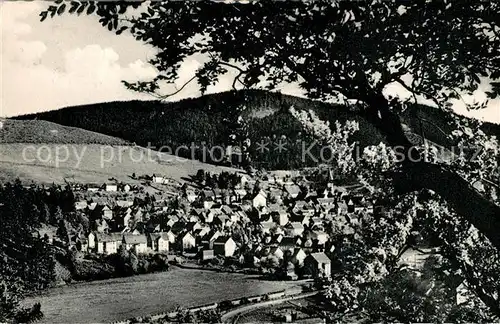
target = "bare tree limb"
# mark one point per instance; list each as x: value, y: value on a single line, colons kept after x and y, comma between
x: 177, y: 91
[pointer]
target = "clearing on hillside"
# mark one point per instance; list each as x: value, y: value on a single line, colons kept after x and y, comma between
x: 48, y: 163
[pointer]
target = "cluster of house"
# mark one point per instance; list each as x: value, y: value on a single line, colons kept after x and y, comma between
x: 282, y: 218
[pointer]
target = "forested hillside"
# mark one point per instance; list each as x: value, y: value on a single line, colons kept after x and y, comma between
x: 211, y: 120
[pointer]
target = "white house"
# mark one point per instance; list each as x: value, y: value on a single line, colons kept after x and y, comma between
x: 111, y: 187
x: 104, y: 243
x: 277, y: 252
x: 79, y: 205
x: 298, y: 256
x: 138, y: 243
x: 191, y: 195
x: 159, y: 179
x: 106, y: 213
x: 280, y: 217
x: 159, y: 242
x: 267, y: 226
x: 415, y: 258
x: 320, y: 236
x: 259, y: 200
x: 224, y: 246
x: 294, y: 229
x: 188, y: 241
x: 171, y: 237
x: 317, y: 263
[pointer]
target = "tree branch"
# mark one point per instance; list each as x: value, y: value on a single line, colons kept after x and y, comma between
x: 175, y: 92
x: 401, y: 82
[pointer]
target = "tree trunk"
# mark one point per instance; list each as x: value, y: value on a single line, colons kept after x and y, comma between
x: 458, y: 192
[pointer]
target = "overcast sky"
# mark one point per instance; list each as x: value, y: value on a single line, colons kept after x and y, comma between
x: 69, y: 61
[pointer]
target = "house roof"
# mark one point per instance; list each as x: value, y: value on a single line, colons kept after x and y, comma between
x: 326, y: 201
x: 275, y: 249
x: 208, y: 193
x: 187, y: 234
x: 292, y: 189
x: 111, y: 237
x: 287, y: 241
x: 156, y: 236
x: 296, y: 251
x: 320, y: 257
x: 223, y: 217
x: 260, y: 193
x: 222, y: 239
x: 268, y: 224
x: 124, y: 203
x: 240, y: 192
x: 178, y: 227
x: 295, y: 225
x: 226, y: 209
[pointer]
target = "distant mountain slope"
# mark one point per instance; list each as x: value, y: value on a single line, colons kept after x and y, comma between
x: 45, y: 132
x: 210, y: 119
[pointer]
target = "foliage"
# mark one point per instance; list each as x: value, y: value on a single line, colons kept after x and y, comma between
x: 27, y: 265
x: 405, y: 296
x: 436, y: 50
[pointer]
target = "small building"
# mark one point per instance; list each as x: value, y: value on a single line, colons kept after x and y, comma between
x: 320, y: 236
x: 137, y: 243
x: 188, y: 242
x: 207, y: 195
x: 292, y: 191
x: 159, y: 242
x: 111, y: 187
x: 209, y: 239
x: 240, y: 194
x: 294, y: 229
x: 106, y: 213
x: 277, y: 252
x: 225, y: 246
x: 80, y: 205
x: 171, y: 237
x: 267, y: 226
x: 280, y: 217
x: 289, y: 243
x: 207, y: 255
x: 191, y: 195
x: 124, y: 203
x: 259, y: 200
x: 298, y: 256
x: 415, y: 258
x: 318, y: 263
x: 103, y: 243
x: 159, y: 179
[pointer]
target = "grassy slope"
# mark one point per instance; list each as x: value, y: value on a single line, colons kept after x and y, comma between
x: 98, y: 163
x: 41, y: 131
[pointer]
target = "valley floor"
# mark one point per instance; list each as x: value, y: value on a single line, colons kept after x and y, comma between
x: 122, y: 298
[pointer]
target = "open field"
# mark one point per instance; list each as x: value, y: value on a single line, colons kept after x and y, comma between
x: 47, y: 163
x: 122, y: 298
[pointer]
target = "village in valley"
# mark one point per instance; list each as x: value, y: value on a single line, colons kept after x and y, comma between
x: 279, y: 224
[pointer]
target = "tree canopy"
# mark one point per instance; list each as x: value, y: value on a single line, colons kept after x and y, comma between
x: 437, y: 50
